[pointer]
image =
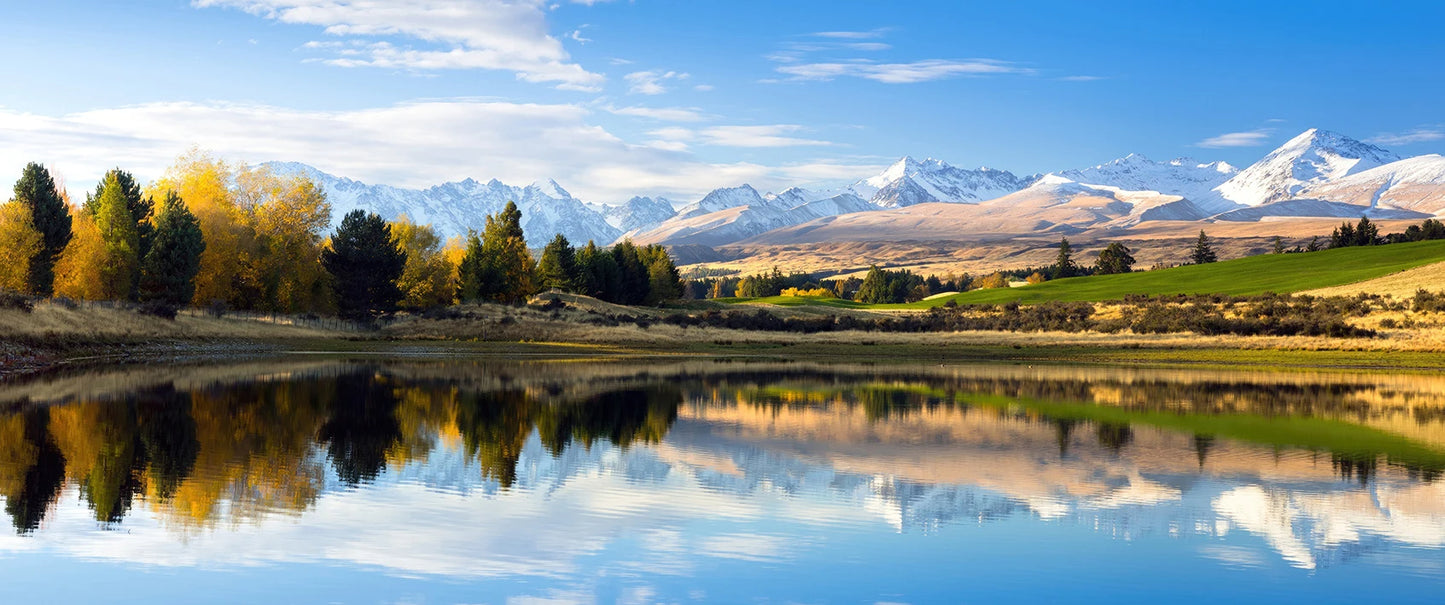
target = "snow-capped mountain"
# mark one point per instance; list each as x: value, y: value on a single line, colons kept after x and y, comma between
x: 637, y: 214
x: 909, y: 181
x: 1312, y: 158
x: 453, y: 208
x: 1182, y: 176
x: 1416, y: 184
x: 722, y: 199
x: 740, y: 221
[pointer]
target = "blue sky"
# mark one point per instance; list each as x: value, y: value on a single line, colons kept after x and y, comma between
x: 613, y: 98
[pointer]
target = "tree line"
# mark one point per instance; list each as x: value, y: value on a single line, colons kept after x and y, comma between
x: 222, y: 236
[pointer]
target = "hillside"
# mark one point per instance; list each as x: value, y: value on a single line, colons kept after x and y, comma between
x: 1280, y: 273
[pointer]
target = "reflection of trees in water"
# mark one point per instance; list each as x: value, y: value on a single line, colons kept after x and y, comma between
x: 253, y: 445
x: 37, y: 468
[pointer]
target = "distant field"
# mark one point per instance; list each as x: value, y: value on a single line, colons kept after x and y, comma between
x: 1281, y: 273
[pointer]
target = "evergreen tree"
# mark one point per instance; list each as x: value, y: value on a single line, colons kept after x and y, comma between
x: 365, y: 263
x: 1278, y: 245
x: 603, y: 280
x: 1343, y: 236
x: 1314, y: 245
x: 168, y: 270
x: 137, y: 205
x: 1366, y: 233
x: 50, y: 216
x: 473, y: 272
x: 120, y: 257
x: 875, y: 287
x: 1115, y: 258
x: 558, y: 268
x: 663, y: 282
x: 506, y: 266
x: 1064, y: 265
x: 632, y: 273
x: 1203, y: 251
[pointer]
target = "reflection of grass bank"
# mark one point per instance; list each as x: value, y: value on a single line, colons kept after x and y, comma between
x: 1340, y: 438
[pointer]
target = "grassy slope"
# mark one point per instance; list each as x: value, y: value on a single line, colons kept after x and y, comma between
x: 1280, y: 273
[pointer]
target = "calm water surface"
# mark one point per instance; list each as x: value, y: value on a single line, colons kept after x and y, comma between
x: 642, y: 482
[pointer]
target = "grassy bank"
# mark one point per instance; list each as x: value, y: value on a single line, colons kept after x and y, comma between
x: 1279, y: 273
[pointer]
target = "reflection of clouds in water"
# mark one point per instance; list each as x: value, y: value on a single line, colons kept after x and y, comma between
x: 1310, y: 529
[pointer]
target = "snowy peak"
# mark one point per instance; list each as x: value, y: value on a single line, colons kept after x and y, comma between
x: 1416, y: 184
x: 1314, y: 156
x: 722, y: 199
x: 1181, y: 176
x: 909, y: 181
x: 639, y: 213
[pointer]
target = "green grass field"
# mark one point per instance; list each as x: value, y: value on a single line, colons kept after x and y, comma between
x: 1280, y: 273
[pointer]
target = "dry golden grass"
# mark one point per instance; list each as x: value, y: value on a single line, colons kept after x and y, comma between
x: 1399, y: 285
x: 102, y: 323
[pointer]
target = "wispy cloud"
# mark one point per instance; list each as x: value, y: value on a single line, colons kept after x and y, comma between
x: 1418, y: 135
x: 1082, y: 78
x: 506, y: 35
x: 853, y: 35
x: 661, y: 114
x: 902, y: 73
x: 1251, y: 138
x: 651, y: 82
x: 773, y: 135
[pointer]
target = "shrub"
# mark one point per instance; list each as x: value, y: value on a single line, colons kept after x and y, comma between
x: 15, y: 300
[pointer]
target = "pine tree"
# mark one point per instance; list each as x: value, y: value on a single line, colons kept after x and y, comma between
x: 505, y: 270
x: 632, y: 273
x: 663, y: 282
x: 473, y: 272
x: 365, y: 263
x: 602, y: 277
x: 1343, y: 236
x: 1115, y: 258
x: 1366, y: 233
x: 120, y: 259
x: 1314, y: 245
x: 168, y: 271
x: 50, y: 216
x: 875, y: 287
x: 1064, y: 264
x: 137, y: 205
x: 1203, y: 251
x: 558, y: 269
x: 1278, y: 245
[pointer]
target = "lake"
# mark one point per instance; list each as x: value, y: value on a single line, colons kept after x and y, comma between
x: 324, y: 480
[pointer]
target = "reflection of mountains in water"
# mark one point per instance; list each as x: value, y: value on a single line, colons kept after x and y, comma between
x: 918, y: 450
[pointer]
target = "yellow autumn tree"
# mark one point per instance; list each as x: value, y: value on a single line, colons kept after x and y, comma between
x: 204, y: 183
x: 288, y: 215
x: 429, y: 277
x: 77, y: 274
x: 19, y: 242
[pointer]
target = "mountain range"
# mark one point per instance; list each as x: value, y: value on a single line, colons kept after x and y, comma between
x: 1315, y: 174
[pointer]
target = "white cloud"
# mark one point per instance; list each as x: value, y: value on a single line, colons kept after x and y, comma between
x: 853, y: 35
x: 507, y: 35
x: 1082, y: 78
x: 409, y: 145
x: 1252, y: 138
x: 651, y: 82
x: 703, y: 87
x: 773, y: 135
x: 663, y: 114
x: 901, y: 73
x: 1418, y: 135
